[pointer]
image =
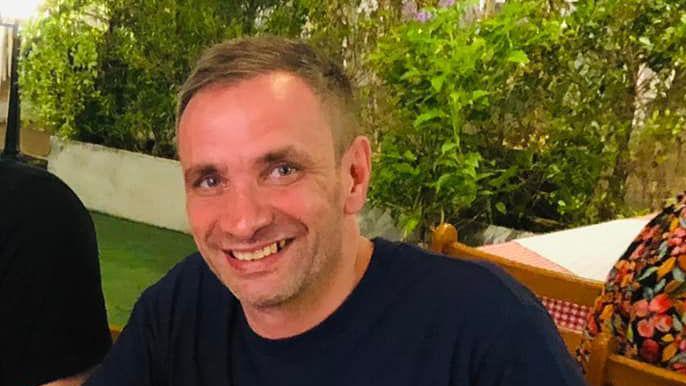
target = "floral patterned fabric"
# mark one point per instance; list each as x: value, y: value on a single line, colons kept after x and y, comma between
x: 643, y: 303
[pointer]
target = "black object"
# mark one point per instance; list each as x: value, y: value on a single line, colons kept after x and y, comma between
x: 12, y: 133
x: 52, y: 309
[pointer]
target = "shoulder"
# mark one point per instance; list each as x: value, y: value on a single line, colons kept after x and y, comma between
x: 483, y: 313
x: 43, y: 220
x: 22, y: 180
x: 34, y: 193
x: 472, y: 294
x: 458, y: 278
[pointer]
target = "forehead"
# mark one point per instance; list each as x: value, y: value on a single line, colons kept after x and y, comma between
x: 251, y: 118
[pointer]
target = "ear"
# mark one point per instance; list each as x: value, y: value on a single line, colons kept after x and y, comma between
x: 356, y: 168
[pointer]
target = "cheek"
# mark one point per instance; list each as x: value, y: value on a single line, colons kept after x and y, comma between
x: 201, y: 212
x: 308, y: 203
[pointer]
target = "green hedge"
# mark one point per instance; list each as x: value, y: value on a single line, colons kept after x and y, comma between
x: 107, y: 71
x: 526, y: 118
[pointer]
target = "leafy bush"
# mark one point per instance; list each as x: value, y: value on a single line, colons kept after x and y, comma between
x: 532, y: 117
x: 138, y: 52
x: 58, y: 79
x: 107, y: 71
x: 525, y: 118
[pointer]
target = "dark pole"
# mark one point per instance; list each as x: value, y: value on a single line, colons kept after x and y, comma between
x: 12, y: 133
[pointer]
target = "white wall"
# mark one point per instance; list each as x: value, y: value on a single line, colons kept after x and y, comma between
x: 122, y: 183
x: 147, y: 189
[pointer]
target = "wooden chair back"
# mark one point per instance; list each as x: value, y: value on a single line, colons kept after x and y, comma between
x: 606, y: 368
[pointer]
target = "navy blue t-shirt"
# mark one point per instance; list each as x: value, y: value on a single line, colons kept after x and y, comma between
x: 414, y: 319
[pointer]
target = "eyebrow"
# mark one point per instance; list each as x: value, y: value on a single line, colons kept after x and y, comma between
x: 283, y: 154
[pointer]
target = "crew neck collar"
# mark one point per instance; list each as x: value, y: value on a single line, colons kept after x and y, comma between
x: 341, y: 321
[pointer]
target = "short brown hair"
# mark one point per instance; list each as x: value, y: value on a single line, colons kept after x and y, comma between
x: 240, y: 59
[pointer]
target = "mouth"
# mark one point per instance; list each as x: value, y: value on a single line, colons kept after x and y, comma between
x: 260, y: 253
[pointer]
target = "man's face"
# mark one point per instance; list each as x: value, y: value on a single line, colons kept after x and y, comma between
x: 263, y: 189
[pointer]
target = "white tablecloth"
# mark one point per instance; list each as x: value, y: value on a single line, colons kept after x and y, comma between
x: 588, y: 251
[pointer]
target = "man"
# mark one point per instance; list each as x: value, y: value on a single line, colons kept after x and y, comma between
x: 285, y: 290
x: 52, y: 311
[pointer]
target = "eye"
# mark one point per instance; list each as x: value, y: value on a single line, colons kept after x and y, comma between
x: 283, y: 173
x: 283, y: 170
x: 207, y: 182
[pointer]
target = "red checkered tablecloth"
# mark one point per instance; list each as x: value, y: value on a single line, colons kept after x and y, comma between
x: 565, y: 314
x: 514, y: 251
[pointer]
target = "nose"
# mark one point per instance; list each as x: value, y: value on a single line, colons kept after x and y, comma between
x: 245, y: 212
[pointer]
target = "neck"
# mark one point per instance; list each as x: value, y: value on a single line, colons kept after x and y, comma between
x: 296, y: 317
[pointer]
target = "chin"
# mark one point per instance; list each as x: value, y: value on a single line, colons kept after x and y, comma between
x: 262, y: 300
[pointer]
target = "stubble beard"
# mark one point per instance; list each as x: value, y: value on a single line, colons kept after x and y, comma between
x: 302, y: 289
x: 325, y: 253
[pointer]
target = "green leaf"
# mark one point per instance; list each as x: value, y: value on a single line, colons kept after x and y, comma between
x: 448, y: 146
x: 476, y: 94
x: 405, y: 168
x: 503, y: 178
x: 437, y: 83
x: 409, y: 225
x: 442, y: 180
x: 500, y: 207
x: 472, y: 161
x: 518, y: 56
x: 645, y: 41
x: 482, y: 176
x: 427, y: 116
x: 408, y: 155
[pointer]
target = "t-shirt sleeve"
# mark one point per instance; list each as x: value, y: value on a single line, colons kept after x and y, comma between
x: 134, y: 358
x: 53, y: 309
x: 527, y: 351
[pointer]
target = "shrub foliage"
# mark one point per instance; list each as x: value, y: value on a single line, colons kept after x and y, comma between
x: 531, y: 117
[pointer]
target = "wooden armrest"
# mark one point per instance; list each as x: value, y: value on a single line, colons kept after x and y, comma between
x: 624, y: 371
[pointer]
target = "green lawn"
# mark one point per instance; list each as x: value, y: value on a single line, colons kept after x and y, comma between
x: 132, y: 257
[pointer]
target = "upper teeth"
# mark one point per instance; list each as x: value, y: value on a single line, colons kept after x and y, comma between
x: 260, y: 253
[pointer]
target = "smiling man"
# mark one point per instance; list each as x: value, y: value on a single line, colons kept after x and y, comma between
x: 284, y: 289
x: 270, y: 202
